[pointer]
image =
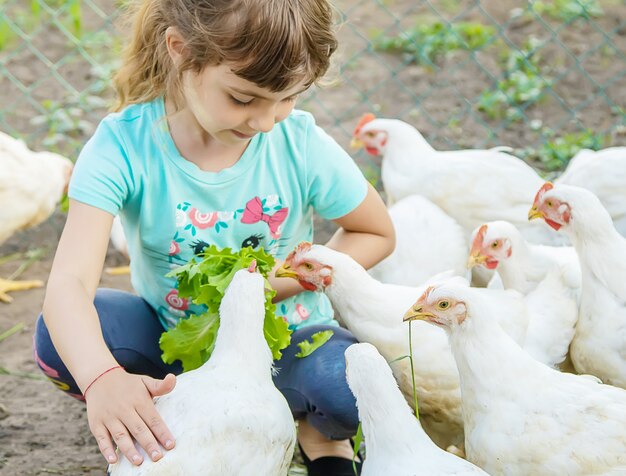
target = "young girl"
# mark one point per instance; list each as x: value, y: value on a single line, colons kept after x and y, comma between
x: 206, y: 148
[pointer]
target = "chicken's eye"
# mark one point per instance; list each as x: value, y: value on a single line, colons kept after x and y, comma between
x: 308, y: 266
x: 443, y: 304
x: 370, y: 134
x: 549, y: 203
x: 495, y: 244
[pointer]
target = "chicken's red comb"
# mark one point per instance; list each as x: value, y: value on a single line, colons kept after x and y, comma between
x: 425, y: 294
x: 544, y: 188
x: 300, y: 248
x: 365, y: 118
x: 480, y: 237
x: 303, y: 247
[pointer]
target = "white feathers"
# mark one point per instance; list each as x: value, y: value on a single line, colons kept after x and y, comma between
x: 472, y: 186
x: 428, y: 242
x: 395, y: 441
x: 373, y: 312
x: 602, y: 172
x: 31, y: 185
x: 118, y: 239
x: 599, y: 344
x: 227, y: 416
x: 548, y: 278
x: 521, y: 417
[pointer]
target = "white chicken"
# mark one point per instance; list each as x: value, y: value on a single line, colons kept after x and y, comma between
x: 602, y: 172
x: 472, y: 186
x: 548, y: 277
x: 522, y: 417
x: 599, y: 344
x: 395, y: 441
x: 373, y: 312
x: 31, y: 186
x: 428, y: 242
x: 118, y: 240
x: 227, y: 416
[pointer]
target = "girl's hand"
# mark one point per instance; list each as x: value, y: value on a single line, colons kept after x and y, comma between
x: 120, y: 408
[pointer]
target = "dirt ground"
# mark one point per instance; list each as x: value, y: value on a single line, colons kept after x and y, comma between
x: 42, y: 431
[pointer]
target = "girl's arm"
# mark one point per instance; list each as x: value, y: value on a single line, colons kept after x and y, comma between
x: 366, y: 234
x: 117, y: 401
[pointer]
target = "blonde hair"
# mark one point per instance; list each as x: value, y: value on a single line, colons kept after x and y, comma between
x: 272, y: 43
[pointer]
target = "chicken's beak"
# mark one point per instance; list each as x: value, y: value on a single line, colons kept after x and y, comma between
x: 416, y: 314
x: 285, y: 271
x: 356, y: 143
x: 475, y: 260
x: 534, y: 213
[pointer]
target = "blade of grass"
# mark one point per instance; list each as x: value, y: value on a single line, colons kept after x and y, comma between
x: 34, y: 255
x: 358, y: 439
x: 16, y: 328
x: 11, y: 257
x: 413, y: 372
x: 5, y: 371
x: 399, y: 359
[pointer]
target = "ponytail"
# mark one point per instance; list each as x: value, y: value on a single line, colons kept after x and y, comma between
x: 147, y: 66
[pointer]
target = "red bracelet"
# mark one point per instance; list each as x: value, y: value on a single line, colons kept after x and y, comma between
x: 103, y: 373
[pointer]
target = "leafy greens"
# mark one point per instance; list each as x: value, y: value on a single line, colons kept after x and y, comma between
x: 193, y: 339
x: 318, y: 340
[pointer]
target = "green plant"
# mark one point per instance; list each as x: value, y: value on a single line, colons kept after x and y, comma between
x: 65, y: 122
x: 522, y: 84
x: 69, y: 11
x: 205, y: 282
x: 7, y: 35
x: 568, y: 10
x: 317, y: 340
x: 427, y: 43
x: 417, y: 415
x: 13, y: 18
x: 555, y: 153
x: 357, y: 441
x: 31, y: 16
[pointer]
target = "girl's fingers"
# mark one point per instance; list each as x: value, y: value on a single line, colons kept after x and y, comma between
x: 158, y: 387
x: 156, y: 425
x: 104, y: 443
x: 142, y: 433
x: 124, y: 442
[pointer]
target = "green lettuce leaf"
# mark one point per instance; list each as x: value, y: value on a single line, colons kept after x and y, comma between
x: 319, y: 339
x: 191, y: 341
x: 205, y: 282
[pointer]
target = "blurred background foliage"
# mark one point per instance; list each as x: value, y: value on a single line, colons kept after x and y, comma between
x: 544, y: 77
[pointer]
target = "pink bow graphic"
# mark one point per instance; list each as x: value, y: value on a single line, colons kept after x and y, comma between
x: 254, y: 213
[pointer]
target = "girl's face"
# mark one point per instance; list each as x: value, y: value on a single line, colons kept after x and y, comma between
x: 231, y: 109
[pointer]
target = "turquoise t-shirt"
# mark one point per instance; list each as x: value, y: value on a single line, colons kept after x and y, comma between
x: 170, y: 209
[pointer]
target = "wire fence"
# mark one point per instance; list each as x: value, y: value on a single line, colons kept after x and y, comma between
x: 545, y: 77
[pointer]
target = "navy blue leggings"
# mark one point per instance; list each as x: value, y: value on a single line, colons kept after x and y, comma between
x: 315, y: 387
